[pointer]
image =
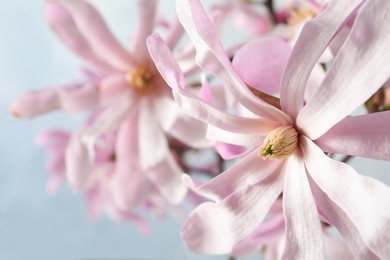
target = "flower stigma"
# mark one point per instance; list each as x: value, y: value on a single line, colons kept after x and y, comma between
x: 280, y: 143
x: 140, y: 79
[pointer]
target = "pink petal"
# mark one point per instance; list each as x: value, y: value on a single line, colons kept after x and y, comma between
x: 112, y: 87
x: 166, y: 177
x: 356, y: 73
x: 264, y: 237
x: 153, y: 145
x: 94, y: 28
x: 130, y: 185
x: 344, y: 225
x: 229, y: 151
x: 195, y: 138
x: 303, y: 227
x: 175, y: 33
x: 260, y: 63
x: 251, y: 140
x: 167, y: 111
x: 211, y: 56
x: 63, y: 24
x: 335, y: 249
x: 365, y: 135
x: 215, y: 228
x: 313, y: 40
x: 78, y: 162
x: 248, y: 171
x: 364, y: 200
x: 146, y: 22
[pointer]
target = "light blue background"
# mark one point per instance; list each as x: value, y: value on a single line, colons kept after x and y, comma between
x: 34, y: 225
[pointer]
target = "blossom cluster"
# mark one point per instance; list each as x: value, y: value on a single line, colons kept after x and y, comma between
x: 279, y: 103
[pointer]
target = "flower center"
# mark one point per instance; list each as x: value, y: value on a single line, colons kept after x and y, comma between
x: 280, y: 143
x: 141, y: 79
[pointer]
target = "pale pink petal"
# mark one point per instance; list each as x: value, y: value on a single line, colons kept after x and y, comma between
x: 35, y: 103
x: 112, y: 87
x: 363, y: 199
x: 303, y: 227
x: 166, y: 177
x: 260, y: 63
x: 153, y: 145
x: 167, y: 112
x: 344, y: 225
x: 73, y: 98
x: 146, y: 22
x: 241, y: 139
x: 215, y: 228
x: 211, y: 56
x: 63, y: 24
x: 191, y: 132
x: 365, y: 135
x: 356, y: 73
x: 205, y: 92
x: 248, y: 171
x: 264, y: 237
x: 78, y: 162
x: 94, y: 28
x: 229, y: 151
x: 175, y: 33
x: 130, y: 185
x: 313, y: 40
x: 247, y: 18
x: 196, y: 107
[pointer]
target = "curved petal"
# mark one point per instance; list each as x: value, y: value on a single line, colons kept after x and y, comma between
x: 191, y: 132
x: 248, y: 171
x: 112, y: 87
x: 153, y: 145
x: 335, y: 249
x: 166, y: 177
x: 356, y: 73
x: 313, y: 40
x: 74, y: 98
x: 94, y: 28
x: 260, y: 63
x: 303, y: 225
x: 211, y: 56
x: 215, y: 228
x: 79, y: 164
x: 175, y: 33
x: 229, y: 151
x: 196, y: 107
x: 146, y: 11
x: 130, y: 185
x: 251, y: 140
x: 167, y: 111
x: 63, y: 24
x: 365, y: 135
x: 344, y: 225
x: 363, y: 199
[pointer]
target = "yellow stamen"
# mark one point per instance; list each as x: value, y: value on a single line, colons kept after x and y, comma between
x: 141, y: 79
x: 280, y: 143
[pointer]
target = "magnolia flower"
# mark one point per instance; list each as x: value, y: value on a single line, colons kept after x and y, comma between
x: 132, y: 97
x: 313, y: 184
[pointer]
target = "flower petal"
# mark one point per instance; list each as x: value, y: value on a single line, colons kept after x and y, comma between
x: 146, y: 11
x: 166, y: 177
x: 313, y: 40
x: 363, y: 199
x: 260, y: 63
x: 303, y: 226
x: 356, y: 73
x: 153, y: 145
x: 251, y: 140
x: 229, y: 151
x: 248, y: 171
x: 211, y: 56
x: 94, y: 28
x: 365, y: 135
x: 112, y: 87
x: 215, y: 228
x: 130, y: 185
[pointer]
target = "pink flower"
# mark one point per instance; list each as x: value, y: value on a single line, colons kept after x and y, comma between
x: 132, y: 97
x: 296, y: 137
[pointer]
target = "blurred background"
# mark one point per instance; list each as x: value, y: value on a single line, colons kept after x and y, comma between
x: 34, y: 224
